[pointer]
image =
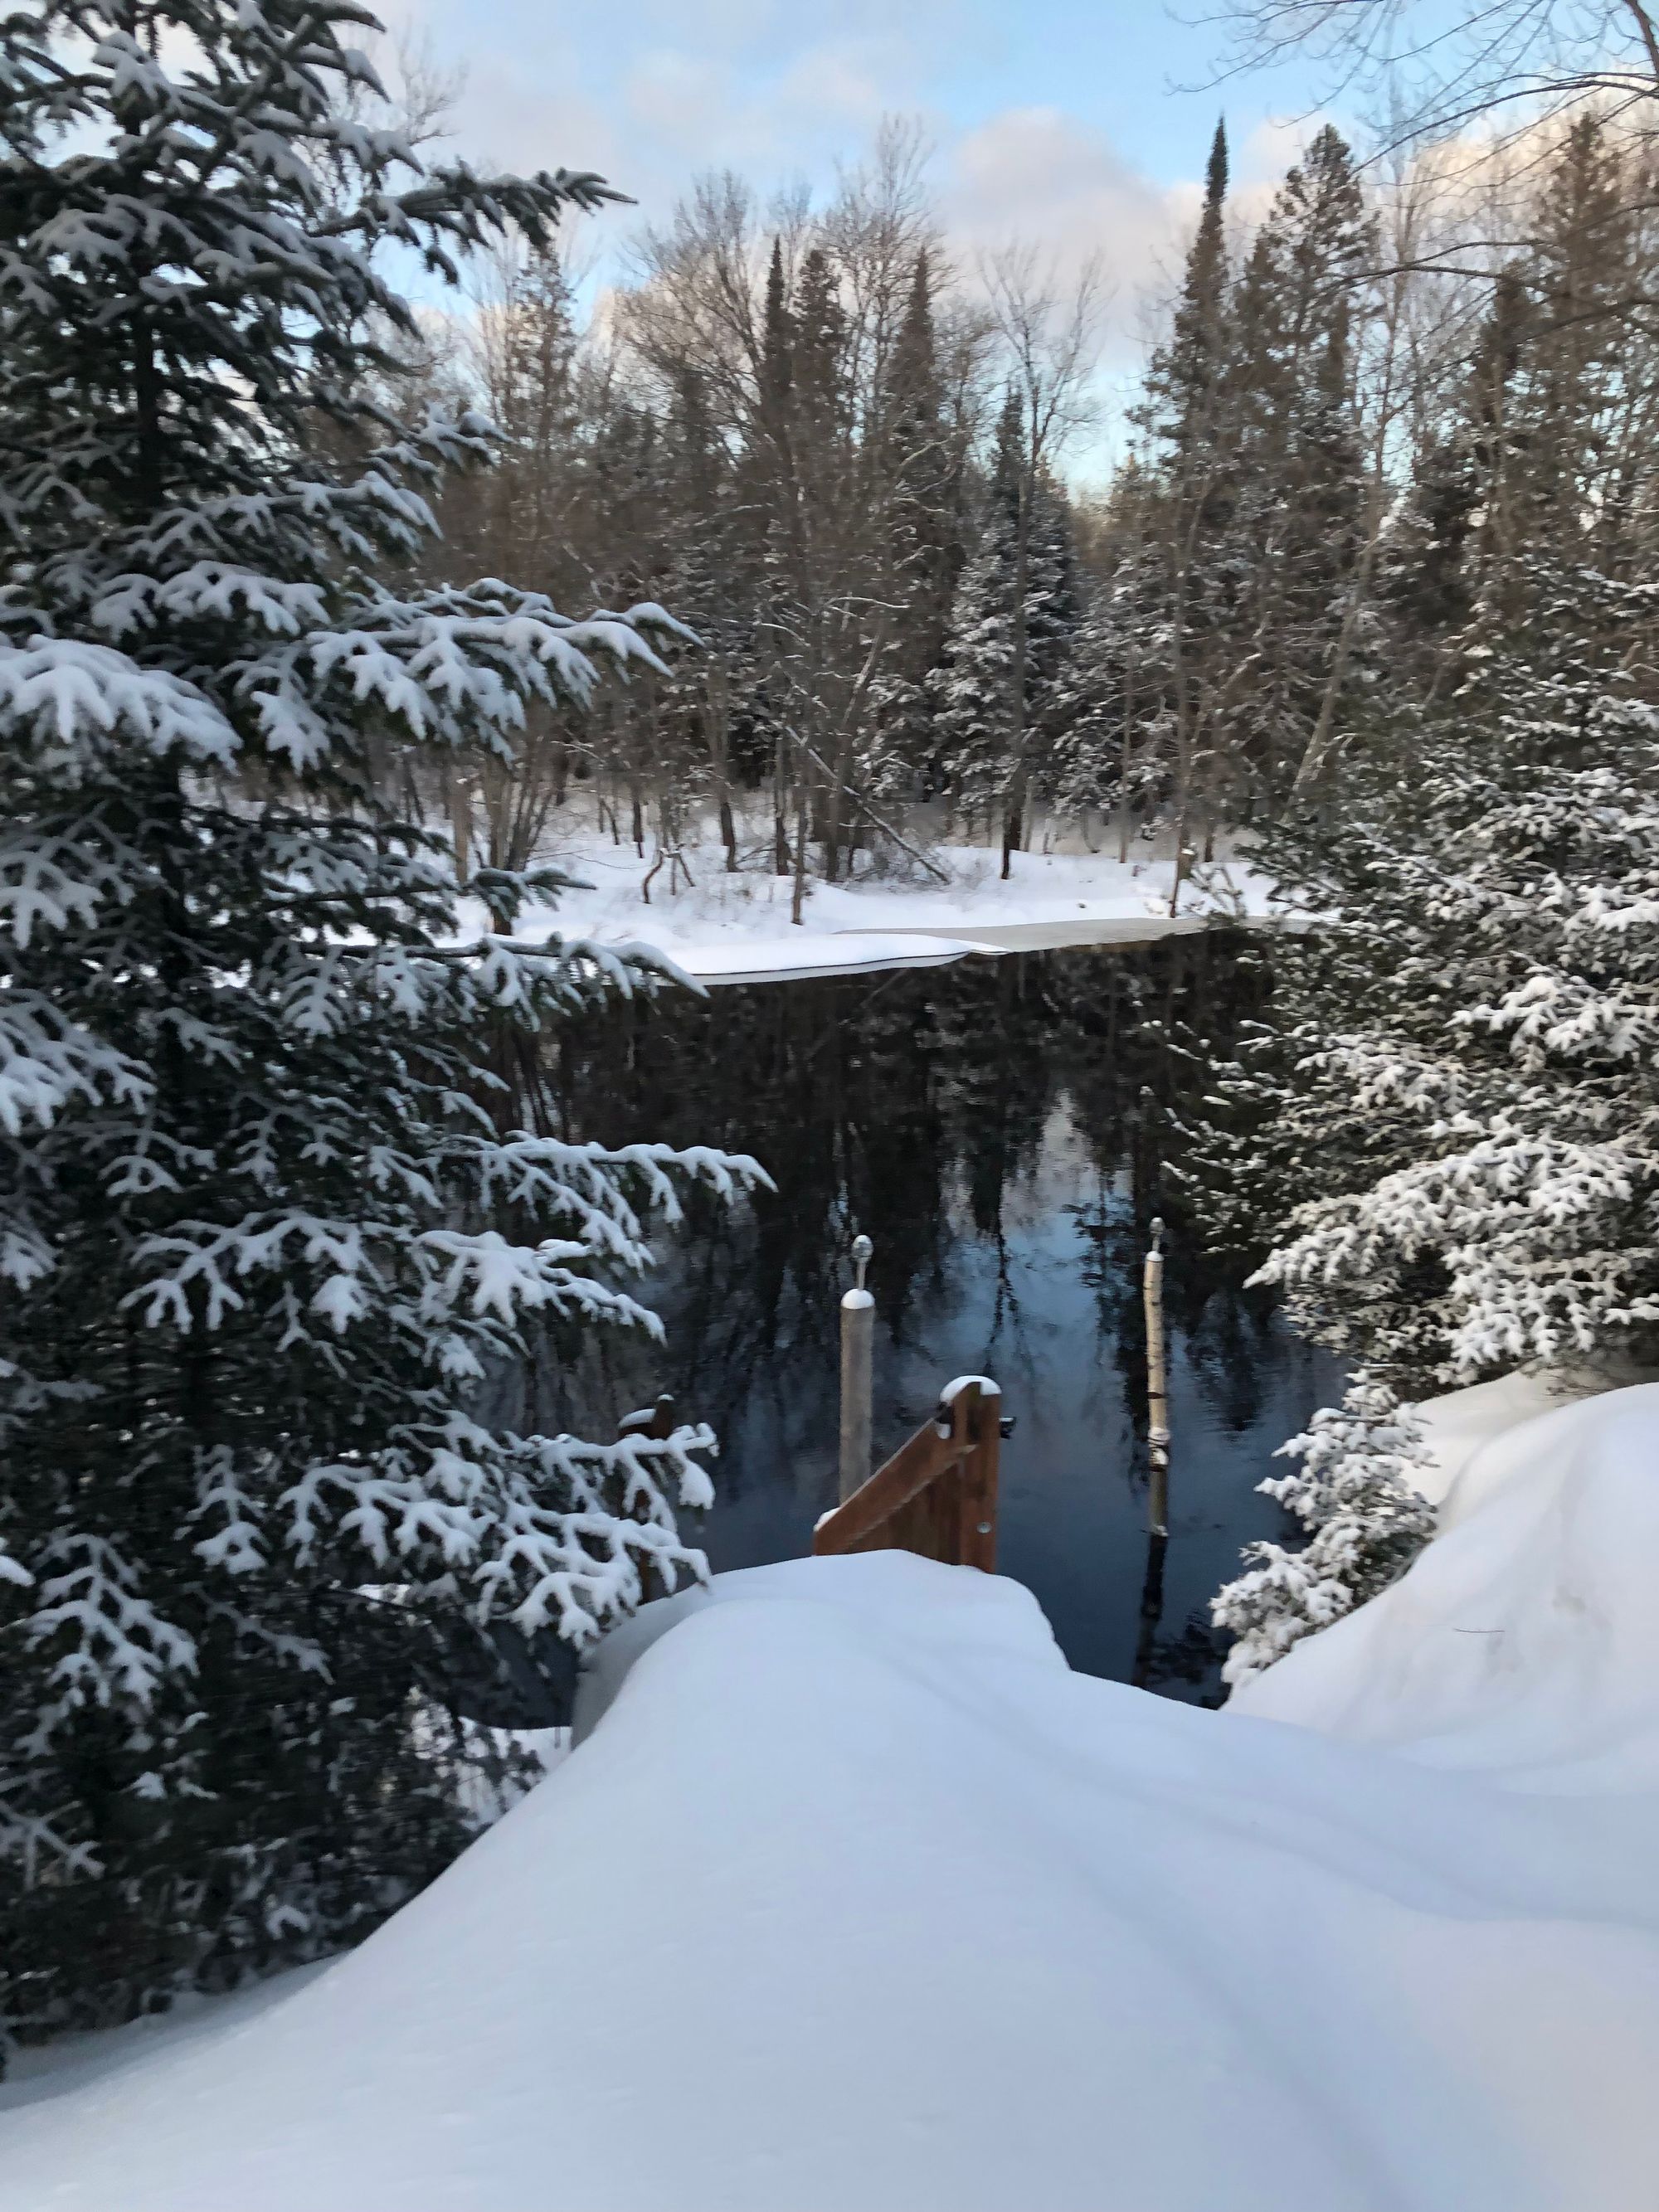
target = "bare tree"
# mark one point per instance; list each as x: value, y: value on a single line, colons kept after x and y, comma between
x: 1446, y: 73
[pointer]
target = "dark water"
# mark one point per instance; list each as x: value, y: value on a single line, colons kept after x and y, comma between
x: 1005, y: 1131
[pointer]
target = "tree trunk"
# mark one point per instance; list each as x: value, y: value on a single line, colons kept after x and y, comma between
x: 798, y: 897
x: 1127, y: 759
x: 780, y: 819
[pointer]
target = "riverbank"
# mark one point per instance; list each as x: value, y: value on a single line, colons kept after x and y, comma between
x: 726, y: 927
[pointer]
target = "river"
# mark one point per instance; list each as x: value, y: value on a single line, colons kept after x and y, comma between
x: 1005, y: 1131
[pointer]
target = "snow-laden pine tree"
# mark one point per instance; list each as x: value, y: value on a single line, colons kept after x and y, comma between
x: 1094, y: 710
x: 1006, y: 653
x: 921, y: 530
x: 1355, y: 1493
x: 1114, y: 705
x: 271, y: 1233
x: 972, y: 686
x: 1054, y: 617
x: 1463, y: 1080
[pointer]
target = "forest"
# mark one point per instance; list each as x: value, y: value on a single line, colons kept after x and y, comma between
x: 1371, y: 420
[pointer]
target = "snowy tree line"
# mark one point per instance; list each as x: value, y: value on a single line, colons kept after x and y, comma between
x: 1452, y: 1113
x: 1445, y: 1132
x: 839, y: 452
x: 838, y: 461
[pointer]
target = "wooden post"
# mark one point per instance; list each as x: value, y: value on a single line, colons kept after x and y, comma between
x: 937, y: 1496
x: 858, y: 1336
x: 1158, y: 1394
x: 976, y: 1543
x: 657, y: 1422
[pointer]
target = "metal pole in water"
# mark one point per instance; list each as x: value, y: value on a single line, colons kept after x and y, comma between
x: 857, y: 1337
x: 1158, y: 1395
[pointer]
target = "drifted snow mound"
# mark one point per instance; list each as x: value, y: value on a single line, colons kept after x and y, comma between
x: 856, y: 1899
x: 1524, y: 1642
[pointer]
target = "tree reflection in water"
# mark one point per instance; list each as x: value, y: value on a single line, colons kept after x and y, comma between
x: 1005, y: 1132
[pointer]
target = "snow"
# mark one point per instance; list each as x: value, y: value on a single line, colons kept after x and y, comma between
x: 771, y: 960
x: 854, y: 1895
x: 75, y: 2061
x: 954, y: 1389
x: 1524, y: 1642
x: 736, y: 928
x: 1455, y: 1426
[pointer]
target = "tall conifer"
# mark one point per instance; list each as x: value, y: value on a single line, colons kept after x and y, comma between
x: 275, y: 1244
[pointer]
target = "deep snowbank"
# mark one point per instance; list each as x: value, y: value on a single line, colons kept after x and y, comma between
x: 1525, y: 1640
x: 858, y: 1900
x: 1460, y: 1423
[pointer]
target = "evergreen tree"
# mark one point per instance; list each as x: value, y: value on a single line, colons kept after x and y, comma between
x: 1587, y: 261
x: 1534, y: 462
x: 1295, y: 525
x: 834, y: 538
x: 1115, y: 735
x: 1456, y: 1110
x: 923, y: 535
x: 1453, y: 521
x: 704, y: 549
x: 273, y: 1241
x: 1053, y: 619
x: 1190, y: 652
x: 1356, y: 1494
x: 819, y: 358
x: 995, y: 727
x: 1185, y: 386
x: 973, y: 684
x: 534, y: 403
x: 777, y: 360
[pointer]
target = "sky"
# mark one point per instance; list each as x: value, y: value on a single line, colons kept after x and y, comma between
x: 1082, y: 123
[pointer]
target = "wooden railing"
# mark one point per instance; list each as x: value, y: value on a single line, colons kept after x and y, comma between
x: 937, y: 1496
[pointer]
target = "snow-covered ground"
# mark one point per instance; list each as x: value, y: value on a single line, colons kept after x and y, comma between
x: 737, y: 928
x: 1462, y: 1423
x: 1524, y: 1642
x: 857, y: 1899
x: 75, y: 2061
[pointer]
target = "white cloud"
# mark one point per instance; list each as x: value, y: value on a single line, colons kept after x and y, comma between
x: 691, y: 111
x: 1036, y: 173
x: 1272, y: 146
x: 780, y: 91
x: 773, y: 88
